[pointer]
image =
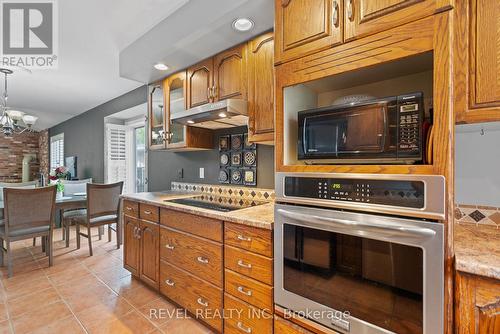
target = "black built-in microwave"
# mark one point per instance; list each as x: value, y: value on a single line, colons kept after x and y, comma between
x: 385, y: 130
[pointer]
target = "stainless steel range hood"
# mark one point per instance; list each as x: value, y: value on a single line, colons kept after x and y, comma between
x: 219, y: 115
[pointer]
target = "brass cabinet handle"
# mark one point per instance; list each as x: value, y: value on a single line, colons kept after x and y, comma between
x: 350, y: 10
x: 135, y: 232
x: 243, y: 238
x: 209, y: 93
x: 169, y: 246
x: 243, y: 327
x: 214, y: 92
x: 147, y: 212
x: 242, y: 291
x: 129, y: 208
x: 202, y: 259
x: 169, y: 282
x: 202, y: 302
x: 138, y: 233
x: 335, y: 14
x: 244, y: 265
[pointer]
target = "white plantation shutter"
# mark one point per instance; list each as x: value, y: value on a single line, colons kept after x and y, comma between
x: 56, y: 151
x: 118, y: 140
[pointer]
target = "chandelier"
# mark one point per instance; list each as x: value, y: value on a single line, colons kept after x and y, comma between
x: 13, y: 121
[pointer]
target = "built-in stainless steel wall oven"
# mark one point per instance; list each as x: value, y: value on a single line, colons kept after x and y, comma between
x: 361, y: 253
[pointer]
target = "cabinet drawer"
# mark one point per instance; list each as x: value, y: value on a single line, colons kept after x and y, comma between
x: 198, y: 256
x: 282, y: 326
x: 149, y: 212
x: 252, y: 265
x: 131, y: 208
x: 201, y: 226
x: 247, y: 319
x: 256, y: 240
x: 192, y: 293
x: 249, y: 290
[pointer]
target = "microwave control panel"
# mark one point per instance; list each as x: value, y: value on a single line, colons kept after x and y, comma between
x: 410, y: 119
x: 408, y: 194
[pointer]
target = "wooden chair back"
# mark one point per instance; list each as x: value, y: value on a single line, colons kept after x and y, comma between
x: 103, y: 199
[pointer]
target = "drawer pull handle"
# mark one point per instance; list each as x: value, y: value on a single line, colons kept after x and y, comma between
x: 202, y: 260
x: 169, y: 282
x: 243, y: 238
x: 244, y: 265
x: 169, y: 246
x: 242, y: 290
x: 243, y: 327
x: 202, y: 302
x: 128, y: 208
x: 147, y: 212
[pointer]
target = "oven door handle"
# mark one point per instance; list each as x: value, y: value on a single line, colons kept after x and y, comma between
x: 379, y: 226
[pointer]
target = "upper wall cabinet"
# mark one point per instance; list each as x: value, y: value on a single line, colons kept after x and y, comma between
x: 230, y: 74
x: 478, y: 46
x: 365, y: 17
x: 261, y: 89
x: 200, y: 83
x: 156, y: 118
x: 305, y: 26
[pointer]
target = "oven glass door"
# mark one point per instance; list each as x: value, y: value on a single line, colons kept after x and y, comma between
x: 377, y: 281
x: 355, y: 131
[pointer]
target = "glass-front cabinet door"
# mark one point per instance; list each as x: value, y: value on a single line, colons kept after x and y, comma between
x: 156, y: 118
x: 175, y: 97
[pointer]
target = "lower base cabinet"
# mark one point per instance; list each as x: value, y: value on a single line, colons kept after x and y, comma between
x: 244, y: 318
x: 282, y: 326
x: 477, y: 305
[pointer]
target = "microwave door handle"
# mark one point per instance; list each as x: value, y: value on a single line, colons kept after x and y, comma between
x: 379, y: 227
x: 304, y: 136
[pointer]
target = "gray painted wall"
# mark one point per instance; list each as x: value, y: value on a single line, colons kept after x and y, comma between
x: 84, y: 138
x: 477, y: 177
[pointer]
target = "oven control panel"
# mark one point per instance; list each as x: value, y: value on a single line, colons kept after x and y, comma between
x: 399, y: 193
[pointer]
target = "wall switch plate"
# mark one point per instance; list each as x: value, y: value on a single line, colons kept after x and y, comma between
x: 202, y: 173
x: 180, y: 173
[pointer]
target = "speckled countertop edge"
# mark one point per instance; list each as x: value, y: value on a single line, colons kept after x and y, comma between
x: 261, y: 216
x: 477, y: 250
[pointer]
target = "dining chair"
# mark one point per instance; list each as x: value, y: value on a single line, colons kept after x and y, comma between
x: 72, y: 187
x: 29, y: 213
x: 103, y: 208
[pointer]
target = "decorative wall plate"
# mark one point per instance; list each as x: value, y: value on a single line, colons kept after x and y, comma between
x: 224, y: 159
x: 224, y: 143
x: 250, y: 177
x: 235, y: 159
x: 236, y: 142
x: 236, y: 176
x: 223, y: 176
x: 249, y: 158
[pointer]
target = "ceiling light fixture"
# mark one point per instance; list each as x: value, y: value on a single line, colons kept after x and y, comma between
x: 243, y: 24
x: 190, y: 122
x: 13, y: 121
x: 161, y: 67
x: 222, y: 115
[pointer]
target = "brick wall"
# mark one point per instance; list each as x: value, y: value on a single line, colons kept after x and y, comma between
x: 13, y: 149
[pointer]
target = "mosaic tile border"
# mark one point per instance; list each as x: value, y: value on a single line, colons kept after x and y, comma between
x: 477, y: 215
x: 233, y: 191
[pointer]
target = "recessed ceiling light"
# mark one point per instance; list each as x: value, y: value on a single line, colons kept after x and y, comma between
x: 161, y: 67
x: 190, y: 122
x: 243, y: 24
x: 222, y: 115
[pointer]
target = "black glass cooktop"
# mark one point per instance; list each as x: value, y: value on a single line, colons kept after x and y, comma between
x: 217, y: 203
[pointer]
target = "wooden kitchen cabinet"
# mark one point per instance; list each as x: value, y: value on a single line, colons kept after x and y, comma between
x: 156, y: 117
x: 180, y: 137
x: 200, y: 83
x: 141, y: 253
x: 306, y: 26
x: 478, y: 60
x: 230, y: 74
x: 150, y: 253
x: 261, y: 89
x: 131, y: 245
x: 366, y: 17
x: 477, y: 305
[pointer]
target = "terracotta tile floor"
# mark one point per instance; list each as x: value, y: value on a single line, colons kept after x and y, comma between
x: 81, y: 294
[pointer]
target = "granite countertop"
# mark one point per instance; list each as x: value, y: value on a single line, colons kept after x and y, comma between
x: 477, y: 250
x: 261, y: 216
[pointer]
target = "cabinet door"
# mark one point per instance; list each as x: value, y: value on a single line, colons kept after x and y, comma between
x: 131, y: 245
x: 150, y: 253
x: 305, y: 26
x: 156, y: 117
x: 261, y: 89
x: 175, y: 88
x: 200, y: 83
x: 365, y: 17
x: 230, y: 74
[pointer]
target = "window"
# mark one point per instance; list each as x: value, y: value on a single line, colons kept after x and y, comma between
x: 56, y: 151
x: 118, y: 139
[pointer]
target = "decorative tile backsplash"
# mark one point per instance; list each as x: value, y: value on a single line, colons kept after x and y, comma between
x: 237, y: 160
x: 233, y: 191
x: 477, y: 215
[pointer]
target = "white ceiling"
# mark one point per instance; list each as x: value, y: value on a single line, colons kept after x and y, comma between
x: 93, y: 32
